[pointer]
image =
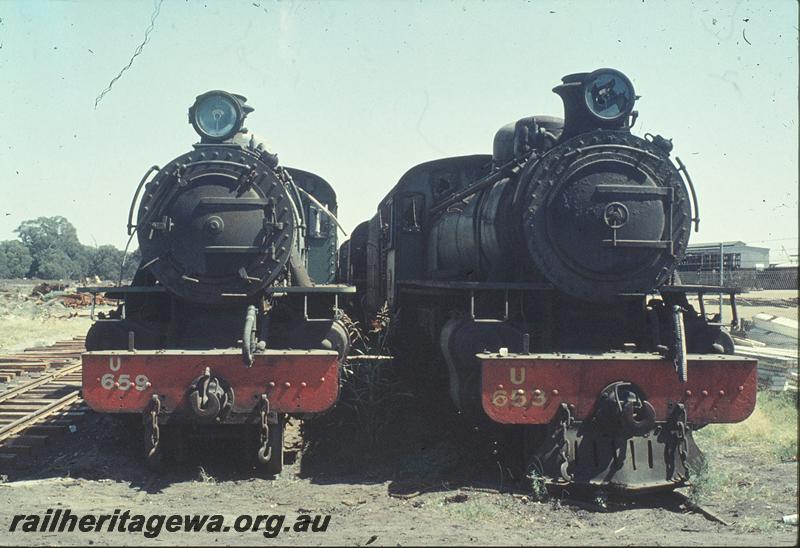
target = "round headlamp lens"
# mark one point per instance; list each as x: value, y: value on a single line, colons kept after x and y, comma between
x: 217, y: 116
x: 609, y: 94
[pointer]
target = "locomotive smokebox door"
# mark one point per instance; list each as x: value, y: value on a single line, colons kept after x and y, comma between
x: 607, y: 221
x: 216, y: 222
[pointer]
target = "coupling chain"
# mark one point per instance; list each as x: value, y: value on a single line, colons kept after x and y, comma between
x: 155, y: 431
x: 680, y: 433
x: 563, y: 425
x: 264, y: 450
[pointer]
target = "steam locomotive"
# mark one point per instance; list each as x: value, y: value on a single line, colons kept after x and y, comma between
x: 542, y: 277
x: 231, y: 322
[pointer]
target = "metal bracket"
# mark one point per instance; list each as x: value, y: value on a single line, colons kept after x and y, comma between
x: 94, y: 317
x: 335, y: 310
x: 487, y: 320
x: 164, y: 224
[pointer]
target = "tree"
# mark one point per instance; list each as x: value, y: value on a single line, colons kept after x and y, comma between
x: 49, y: 233
x: 132, y: 264
x: 53, y: 243
x: 50, y: 249
x: 55, y: 264
x: 15, y: 259
x: 105, y: 262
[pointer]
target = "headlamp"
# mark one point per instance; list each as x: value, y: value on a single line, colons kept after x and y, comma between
x: 218, y: 115
x: 608, y: 94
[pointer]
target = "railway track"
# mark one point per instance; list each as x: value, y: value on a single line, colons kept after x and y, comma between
x: 39, y: 397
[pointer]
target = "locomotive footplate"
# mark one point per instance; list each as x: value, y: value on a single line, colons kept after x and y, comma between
x: 185, y: 381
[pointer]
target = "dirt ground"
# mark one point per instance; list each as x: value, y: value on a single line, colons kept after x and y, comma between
x: 778, y: 302
x: 417, y: 475
x: 453, y: 482
x: 26, y: 320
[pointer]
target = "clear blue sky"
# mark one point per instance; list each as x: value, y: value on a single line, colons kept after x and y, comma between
x: 359, y: 92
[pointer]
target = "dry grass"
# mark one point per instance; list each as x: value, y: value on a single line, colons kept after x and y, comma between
x: 19, y: 333
x: 480, y: 507
x: 204, y: 476
x: 30, y: 321
x: 768, y: 436
x: 770, y: 431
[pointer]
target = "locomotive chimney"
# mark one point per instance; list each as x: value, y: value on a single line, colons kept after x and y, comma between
x: 576, y: 116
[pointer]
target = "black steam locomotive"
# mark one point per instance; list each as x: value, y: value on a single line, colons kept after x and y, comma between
x: 232, y: 320
x: 542, y: 275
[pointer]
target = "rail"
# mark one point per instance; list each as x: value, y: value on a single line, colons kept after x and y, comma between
x: 41, y: 402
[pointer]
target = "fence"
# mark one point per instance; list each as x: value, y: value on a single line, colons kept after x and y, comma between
x: 745, y: 278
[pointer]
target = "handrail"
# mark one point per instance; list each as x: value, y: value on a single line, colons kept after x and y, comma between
x: 696, y: 218
x: 322, y: 208
x: 131, y: 226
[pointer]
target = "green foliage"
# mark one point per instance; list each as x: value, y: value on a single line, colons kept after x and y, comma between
x: 53, y: 243
x: 131, y: 264
x: 45, y: 233
x: 538, y: 487
x: 49, y: 249
x: 15, y: 259
x: 55, y: 264
x: 105, y: 262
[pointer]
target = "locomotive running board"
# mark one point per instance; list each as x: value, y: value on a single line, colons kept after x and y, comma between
x: 295, y: 381
x: 530, y: 388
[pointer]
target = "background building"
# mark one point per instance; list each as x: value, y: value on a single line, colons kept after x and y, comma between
x: 736, y: 255
x: 744, y: 266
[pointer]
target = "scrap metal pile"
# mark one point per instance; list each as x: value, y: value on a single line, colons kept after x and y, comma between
x: 64, y: 294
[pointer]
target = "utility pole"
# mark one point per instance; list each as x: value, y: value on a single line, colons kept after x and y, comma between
x: 721, y: 275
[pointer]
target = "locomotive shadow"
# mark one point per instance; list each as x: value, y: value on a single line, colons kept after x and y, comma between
x: 413, y: 439
x: 417, y: 443
x: 106, y: 448
x: 594, y: 500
